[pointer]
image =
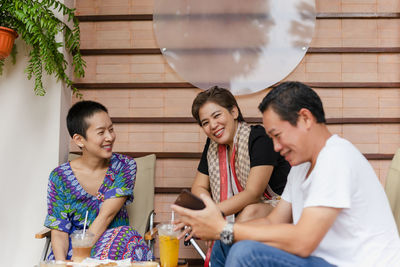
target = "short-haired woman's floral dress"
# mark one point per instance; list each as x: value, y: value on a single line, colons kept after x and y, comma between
x: 68, y: 202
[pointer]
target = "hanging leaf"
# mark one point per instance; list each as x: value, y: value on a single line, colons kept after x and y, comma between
x: 38, y: 26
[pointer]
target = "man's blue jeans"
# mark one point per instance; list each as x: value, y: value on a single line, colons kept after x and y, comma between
x: 252, y: 253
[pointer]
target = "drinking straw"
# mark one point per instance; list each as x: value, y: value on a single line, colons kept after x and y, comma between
x: 172, y: 217
x: 84, y: 225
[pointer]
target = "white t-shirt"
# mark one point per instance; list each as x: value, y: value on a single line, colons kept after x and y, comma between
x: 364, y: 233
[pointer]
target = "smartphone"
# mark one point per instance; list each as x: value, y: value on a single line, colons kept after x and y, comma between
x: 187, y: 200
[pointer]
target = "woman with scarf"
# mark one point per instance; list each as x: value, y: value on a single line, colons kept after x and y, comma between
x: 239, y: 166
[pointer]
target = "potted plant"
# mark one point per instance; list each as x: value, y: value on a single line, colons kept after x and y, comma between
x: 7, y: 37
x: 38, y: 25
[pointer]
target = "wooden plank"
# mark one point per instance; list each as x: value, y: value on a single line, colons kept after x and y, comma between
x: 184, y: 85
x: 120, y: 51
x: 149, y: 85
x: 195, y: 262
x: 166, y: 155
x: 354, y: 84
x: 149, y: 17
x: 197, y: 155
x: 156, y: 51
x: 358, y: 15
x: 119, y: 17
x: 43, y: 233
x: 169, y: 190
x: 159, y: 155
x: 361, y: 120
x: 378, y: 156
x: 343, y: 50
x: 250, y: 120
x: 153, y: 120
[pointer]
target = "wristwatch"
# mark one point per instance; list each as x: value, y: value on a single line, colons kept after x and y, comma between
x: 226, y: 236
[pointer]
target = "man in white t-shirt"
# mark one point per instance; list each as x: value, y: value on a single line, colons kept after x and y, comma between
x: 333, y: 210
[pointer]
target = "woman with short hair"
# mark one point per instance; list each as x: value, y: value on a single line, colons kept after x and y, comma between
x: 100, y: 183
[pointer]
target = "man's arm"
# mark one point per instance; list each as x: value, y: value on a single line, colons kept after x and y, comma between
x: 300, y: 239
x: 276, y: 229
x: 282, y: 213
x: 208, y: 229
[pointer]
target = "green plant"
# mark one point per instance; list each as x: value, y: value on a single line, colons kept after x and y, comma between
x: 37, y: 24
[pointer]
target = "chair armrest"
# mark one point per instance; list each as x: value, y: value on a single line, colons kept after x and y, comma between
x: 46, y: 232
x: 150, y: 235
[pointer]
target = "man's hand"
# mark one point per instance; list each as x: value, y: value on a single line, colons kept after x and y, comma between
x: 206, y: 224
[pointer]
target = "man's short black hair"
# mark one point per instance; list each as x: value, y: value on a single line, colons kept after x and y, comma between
x: 288, y: 98
x: 78, y: 113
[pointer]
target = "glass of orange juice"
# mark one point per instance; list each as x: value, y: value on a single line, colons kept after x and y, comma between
x: 169, y: 244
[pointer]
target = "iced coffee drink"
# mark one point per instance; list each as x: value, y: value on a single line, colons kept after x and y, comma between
x: 81, y: 245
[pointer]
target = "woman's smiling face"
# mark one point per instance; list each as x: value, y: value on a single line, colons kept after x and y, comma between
x: 100, y: 135
x: 218, y: 123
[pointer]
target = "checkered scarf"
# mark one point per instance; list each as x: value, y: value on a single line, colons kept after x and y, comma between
x: 242, y: 165
x: 242, y: 160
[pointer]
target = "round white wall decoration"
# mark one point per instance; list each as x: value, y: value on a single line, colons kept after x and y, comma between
x: 245, y: 46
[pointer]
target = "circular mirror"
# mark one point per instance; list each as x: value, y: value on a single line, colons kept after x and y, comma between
x: 245, y: 46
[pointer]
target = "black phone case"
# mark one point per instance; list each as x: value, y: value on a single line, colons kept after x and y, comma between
x: 187, y: 200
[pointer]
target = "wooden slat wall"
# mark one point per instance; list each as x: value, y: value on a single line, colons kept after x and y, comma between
x: 353, y: 63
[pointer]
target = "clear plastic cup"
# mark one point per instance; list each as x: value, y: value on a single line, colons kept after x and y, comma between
x: 81, y: 245
x: 169, y: 244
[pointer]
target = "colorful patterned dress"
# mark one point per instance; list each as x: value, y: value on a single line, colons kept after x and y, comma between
x: 68, y: 202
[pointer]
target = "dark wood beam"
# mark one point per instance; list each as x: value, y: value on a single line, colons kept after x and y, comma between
x: 169, y: 190
x: 153, y: 120
x: 159, y: 155
x: 156, y: 51
x: 132, y: 85
x: 197, y: 155
x: 149, y: 17
x: 119, y: 17
x: 361, y: 120
x: 360, y: 85
x: 166, y: 155
x: 184, y: 85
x: 343, y: 50
x: 120, y: 51
x: 250, y: 120
x: 378, y: 156
x: 359, y: 15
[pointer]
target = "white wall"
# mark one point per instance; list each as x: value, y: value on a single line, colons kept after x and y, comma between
x: 31, y: 145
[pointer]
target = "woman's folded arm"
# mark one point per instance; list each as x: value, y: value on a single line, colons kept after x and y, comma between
x: 108, y: 210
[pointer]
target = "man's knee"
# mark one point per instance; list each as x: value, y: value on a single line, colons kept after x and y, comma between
x: 250, y: 253
x: 241, y: 250
x: 219, y: 254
